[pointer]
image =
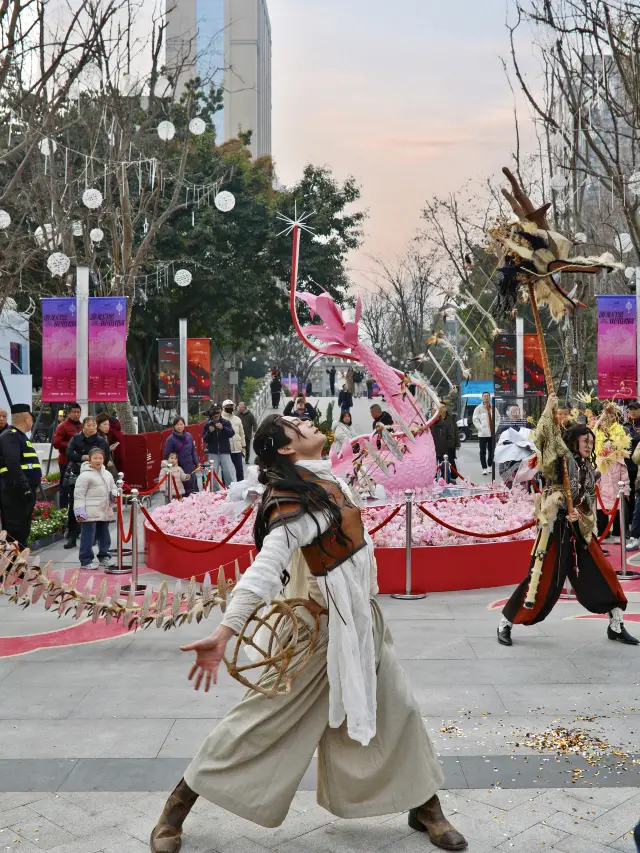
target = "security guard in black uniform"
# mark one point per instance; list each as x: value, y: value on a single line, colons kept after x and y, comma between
x: 21, y: 475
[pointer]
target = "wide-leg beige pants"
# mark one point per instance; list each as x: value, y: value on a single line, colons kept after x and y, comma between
x: 252, y: 762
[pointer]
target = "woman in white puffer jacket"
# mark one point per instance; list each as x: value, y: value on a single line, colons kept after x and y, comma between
x: 343, y: 430
x: 95, y: 490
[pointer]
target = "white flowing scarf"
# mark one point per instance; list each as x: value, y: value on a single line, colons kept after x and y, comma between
x: 351, y: 667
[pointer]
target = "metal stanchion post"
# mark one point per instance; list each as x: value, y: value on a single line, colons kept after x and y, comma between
x: 211, y: 477
x: 135, y: 507
x: 408, y: 595
x: 446, y: 468
x: 168, y: 498
x: 119, y: 568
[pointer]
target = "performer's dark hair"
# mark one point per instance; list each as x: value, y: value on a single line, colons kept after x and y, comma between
x: 277, y: 471
x: 572, y: 435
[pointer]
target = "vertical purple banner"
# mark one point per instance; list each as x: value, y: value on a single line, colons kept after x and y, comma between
x: 107, y: 348
x: 58, y: 350
x: 617, y: 330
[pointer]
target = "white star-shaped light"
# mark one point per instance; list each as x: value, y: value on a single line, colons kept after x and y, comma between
x: 300, y: 221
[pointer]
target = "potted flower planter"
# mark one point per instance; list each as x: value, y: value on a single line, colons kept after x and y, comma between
x: 45, y: 541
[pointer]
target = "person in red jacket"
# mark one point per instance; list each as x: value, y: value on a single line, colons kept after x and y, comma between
x: 116, y: 437
x: 61, y: 438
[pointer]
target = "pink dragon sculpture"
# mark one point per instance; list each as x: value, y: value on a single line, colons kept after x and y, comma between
x: 404, y: 459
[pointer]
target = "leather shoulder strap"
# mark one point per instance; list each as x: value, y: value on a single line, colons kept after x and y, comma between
x: 280, y: 507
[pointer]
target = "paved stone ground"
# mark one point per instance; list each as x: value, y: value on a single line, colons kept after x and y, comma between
x: 93, y: 736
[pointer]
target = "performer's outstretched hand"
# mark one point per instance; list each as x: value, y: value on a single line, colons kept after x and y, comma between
x: 209, y: 653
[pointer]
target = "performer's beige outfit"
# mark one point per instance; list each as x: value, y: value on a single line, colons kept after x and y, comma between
x: 352, y: 701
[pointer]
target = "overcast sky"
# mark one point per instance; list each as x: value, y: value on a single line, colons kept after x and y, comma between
x: 408, y: 96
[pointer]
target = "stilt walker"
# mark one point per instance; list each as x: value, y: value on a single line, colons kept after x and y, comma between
x: 566, y: 510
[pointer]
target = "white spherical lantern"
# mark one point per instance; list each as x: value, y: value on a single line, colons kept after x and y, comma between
x: 76, y: 228
x: 46, y: 236
x: 92, y: 75
x: 197, y: 126
x: 130, y: 85
x: 634, y: 182
x: 558, y: 181
x: 253, y: 358
x: 225, y: 201
x: 629, y: 273
x: 624, y: 243
x: 162, y: 89
x: 92, y: 199
x: 48, y: 147
x: 96, y: 234
x: 5, y: 220
x: 58, y: 263
x: 580, y: 237
x: 183, y: 278
x: 166, y: 130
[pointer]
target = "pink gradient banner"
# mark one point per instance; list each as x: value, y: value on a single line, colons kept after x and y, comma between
x: 617, y: 330
x: 58, y: 350
x: 107, y: 348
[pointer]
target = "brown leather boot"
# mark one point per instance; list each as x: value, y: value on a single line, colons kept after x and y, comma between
x: 429, y: 818
x: 167, y: 835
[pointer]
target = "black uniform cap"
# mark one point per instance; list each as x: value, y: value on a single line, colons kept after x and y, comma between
x: 19, y: 408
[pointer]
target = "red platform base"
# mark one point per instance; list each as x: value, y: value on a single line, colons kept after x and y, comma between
x: 434, y: 569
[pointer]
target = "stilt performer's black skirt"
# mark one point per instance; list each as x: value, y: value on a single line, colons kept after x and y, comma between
x: 593, y: 578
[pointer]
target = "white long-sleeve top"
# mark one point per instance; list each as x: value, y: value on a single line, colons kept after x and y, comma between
x: 346, y: 592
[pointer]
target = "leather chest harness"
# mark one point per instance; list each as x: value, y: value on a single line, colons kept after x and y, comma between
x: 326, y: 552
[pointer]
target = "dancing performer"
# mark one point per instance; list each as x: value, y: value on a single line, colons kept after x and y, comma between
x: 351, y: 701
x: 566, y: 544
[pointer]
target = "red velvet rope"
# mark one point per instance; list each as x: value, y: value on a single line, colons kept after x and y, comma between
x: 218, y: 480
x: 128, y: 488
x: 124, y: 539
x: 176, y: 491
x: 386, y: 521
x: 435, y: 518
x: 612, y: 517
x: 213, y: 546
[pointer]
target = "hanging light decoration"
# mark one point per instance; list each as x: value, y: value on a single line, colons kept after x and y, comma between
x: 92, y: 199
x: 629, y: 273
x: 580, y: 237
x: 624, y: 243
x: 166, y: 130
x: 5, y: 220
x: 48, y: 146
x: 92, y: 75
x: 96, y: 234
x: 225, y: 201
x: 197, y: 126
x: 58, y: 263
x: 162, y: 89
x: 183, y: 278
x: 77, y: 228
x: 634, y: 183
x: 74, y: 91
x: 558, y: 181
x: 46, y: 236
